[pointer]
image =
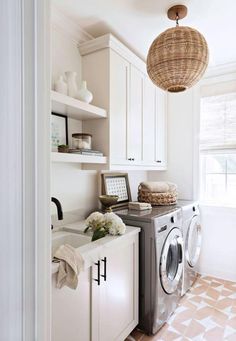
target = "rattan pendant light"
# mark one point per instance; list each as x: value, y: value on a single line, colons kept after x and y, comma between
x: 178, y: 57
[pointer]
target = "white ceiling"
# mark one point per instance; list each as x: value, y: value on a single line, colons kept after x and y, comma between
x: 137, y: 22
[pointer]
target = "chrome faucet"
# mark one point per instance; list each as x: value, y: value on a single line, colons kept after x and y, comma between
x: 59, y: 209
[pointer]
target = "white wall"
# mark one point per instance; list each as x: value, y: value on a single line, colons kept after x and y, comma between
x: 76, y: 189
x: 218, y: 256
x: 180, y: 144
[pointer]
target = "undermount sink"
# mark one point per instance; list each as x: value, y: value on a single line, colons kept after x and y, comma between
x: 74, y: 239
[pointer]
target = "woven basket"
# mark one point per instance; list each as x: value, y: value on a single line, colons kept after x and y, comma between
x: 177, y: 58
x: 157, y: 199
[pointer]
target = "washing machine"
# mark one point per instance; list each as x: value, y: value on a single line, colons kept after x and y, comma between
x: 160, y: 263
x: 192, y: 236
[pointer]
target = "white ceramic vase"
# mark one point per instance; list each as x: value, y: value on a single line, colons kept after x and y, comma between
x: 72, y: 85
x: 84, y: 94
x: 61, y: 86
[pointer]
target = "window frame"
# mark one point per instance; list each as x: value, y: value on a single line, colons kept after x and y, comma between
x: 216, y: 81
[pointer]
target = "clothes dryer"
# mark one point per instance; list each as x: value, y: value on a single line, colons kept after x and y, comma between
x: 192, y: 235
x: 160, y: 265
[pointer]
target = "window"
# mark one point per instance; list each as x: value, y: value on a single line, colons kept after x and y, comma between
x: 218, y: 149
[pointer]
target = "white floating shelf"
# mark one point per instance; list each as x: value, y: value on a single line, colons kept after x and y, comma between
x: 76, y: 158
x: 74, y: 108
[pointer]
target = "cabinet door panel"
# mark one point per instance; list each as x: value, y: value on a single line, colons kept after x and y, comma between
x: 148, y: 122
x: 71, y: 314
x: 118, y: 296
x: 161, y: 129
x: 135, y: 116
x: 119, y: 92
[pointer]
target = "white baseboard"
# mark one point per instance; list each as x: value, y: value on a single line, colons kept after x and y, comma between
x: 229, y: 276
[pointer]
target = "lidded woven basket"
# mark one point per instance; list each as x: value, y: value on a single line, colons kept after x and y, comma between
x: 177, y: 58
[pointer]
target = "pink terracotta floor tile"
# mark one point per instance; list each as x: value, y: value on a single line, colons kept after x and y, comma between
x: 211, y: 302
x: 214, y: 334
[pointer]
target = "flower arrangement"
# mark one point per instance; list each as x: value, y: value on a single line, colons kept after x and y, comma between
x: 103, y: 224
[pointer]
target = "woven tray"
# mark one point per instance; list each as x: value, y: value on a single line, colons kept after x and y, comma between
x: 157, y: 199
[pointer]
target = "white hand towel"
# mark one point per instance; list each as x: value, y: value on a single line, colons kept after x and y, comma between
x: 158, y: 186
x: 71, y: 263
x: 140, y: 206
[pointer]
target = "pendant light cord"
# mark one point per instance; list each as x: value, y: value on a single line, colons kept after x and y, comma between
x: 177, y: 19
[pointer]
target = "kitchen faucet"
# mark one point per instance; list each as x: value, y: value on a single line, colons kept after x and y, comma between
x: 59, y: 209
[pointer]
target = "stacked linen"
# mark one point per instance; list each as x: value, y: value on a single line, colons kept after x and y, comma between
x: 157, y: 193
x: 139, y: 206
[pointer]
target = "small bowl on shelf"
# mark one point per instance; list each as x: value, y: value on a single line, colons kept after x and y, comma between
x: 108, y: 201
x: 63, y: 148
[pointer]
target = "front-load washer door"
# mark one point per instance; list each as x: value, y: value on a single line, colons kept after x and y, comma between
x: 193, y: 241
x: 171, y: 262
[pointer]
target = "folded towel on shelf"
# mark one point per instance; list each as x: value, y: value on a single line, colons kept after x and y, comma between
x: 139, y: 206
x: 158, y: 186
x: 71, y: 263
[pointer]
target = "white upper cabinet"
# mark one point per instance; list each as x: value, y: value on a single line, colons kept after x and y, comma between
x: 134, y: 136
x: 119, y: 106
x: 134, y: 122
x: 149, y: 121
x: 161, y: 129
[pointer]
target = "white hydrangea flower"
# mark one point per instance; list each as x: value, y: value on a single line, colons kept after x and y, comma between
x: 114, y: 224
x: 121, y: 228
x: 113, y: 230
x: 111, y: 217
x: 95, y: 220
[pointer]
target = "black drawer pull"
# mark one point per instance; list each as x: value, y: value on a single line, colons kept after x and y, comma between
x: 104, y: 260
x: 159, y: 161
x: 98, y: 273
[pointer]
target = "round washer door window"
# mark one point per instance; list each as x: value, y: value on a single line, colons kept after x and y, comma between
x: 193, y: 241
x: 171, y: 264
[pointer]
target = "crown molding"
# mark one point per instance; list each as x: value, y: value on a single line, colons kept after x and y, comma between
x: 66, y: 25
x: 220, y: 70
x: 109, y: 41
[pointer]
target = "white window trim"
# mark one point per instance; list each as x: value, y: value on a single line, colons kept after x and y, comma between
x: 221, y: 74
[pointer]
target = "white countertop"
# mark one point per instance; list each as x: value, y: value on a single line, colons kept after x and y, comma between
x: 93, y: 250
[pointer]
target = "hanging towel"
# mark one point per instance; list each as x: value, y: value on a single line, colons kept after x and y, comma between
x: 71, y: 263
x: 159, y: 186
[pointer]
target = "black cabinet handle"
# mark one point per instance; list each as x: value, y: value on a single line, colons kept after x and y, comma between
x: 98, y: 273
x: 159, y: 161
x: 104, y: 260
x: 129, y: 159
x: 133, y: 159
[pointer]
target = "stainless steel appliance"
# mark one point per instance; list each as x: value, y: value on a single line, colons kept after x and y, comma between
x: 161, y: 263
x: 192, y: 241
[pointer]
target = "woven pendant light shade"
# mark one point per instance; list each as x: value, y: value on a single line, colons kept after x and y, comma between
x: 177, y: 59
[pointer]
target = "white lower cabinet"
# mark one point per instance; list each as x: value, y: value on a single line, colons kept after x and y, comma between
x: 71, y: 310
x: 104, y: 307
